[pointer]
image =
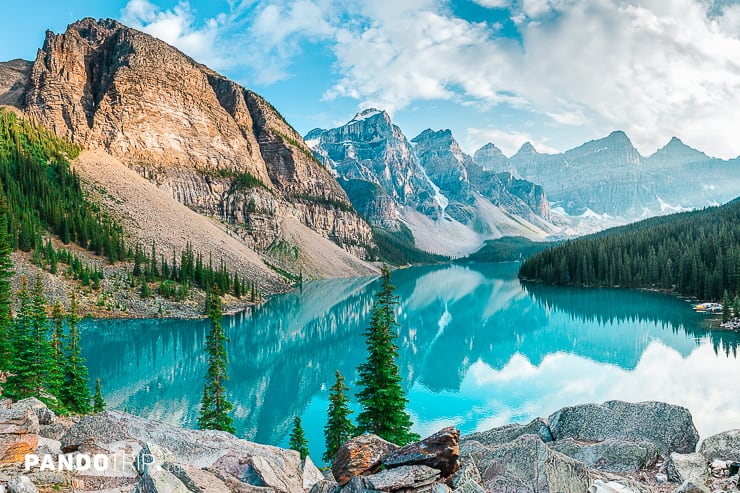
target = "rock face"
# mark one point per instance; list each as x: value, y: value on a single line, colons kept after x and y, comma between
x: 439, y: 451
x: 609, y: 176
x: 527, y: 464
x: 686, y: 467
x: 19, y: 428
x: 670, y: 428
x: 616, y: 456
x: 14, y: 76
x: 218, y: 148
x: 360, y: 456
x: 509, y: 433
x: 428, y: 184
x: 723, y: 446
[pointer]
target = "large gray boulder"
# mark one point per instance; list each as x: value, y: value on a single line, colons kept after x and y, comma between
x: 45, y: 415
x: 686, y: 467
x: 616, y: 456
x: 670, y: 428
x: 252, y: 463
x: 21, y: 484
x: 527, y: 465
x: 509, y: 433
x: 402, y: 478
x: 723, y: 446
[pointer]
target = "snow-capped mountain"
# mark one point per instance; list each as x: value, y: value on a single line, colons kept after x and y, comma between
x: 610, y: 178
x: 450, y: 202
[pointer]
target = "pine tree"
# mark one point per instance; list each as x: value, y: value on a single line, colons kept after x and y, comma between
x: 339, y: 427
x: 98, y: 402
x: 6, y: 273
x: 298, y: 439
x: 215, y: 408
x: 46, y: 373
x: 726, y: 309
x: 76, y: 393
x: 19, y: 385
x: 382, y: 397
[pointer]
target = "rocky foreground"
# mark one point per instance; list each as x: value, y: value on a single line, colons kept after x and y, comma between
x: 616, y: 447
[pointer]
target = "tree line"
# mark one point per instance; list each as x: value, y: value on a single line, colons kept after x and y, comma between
x: 693, y: 253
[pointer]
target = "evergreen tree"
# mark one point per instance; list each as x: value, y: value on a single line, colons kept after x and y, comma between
x: 382, y: 397
x: 98, y: 402
x: 76, y: 393
x: 215, y: 408
x: 6, y: 273
x: 726, y: 309
x: 45, y: 372
x: 19, y: 384
x: 298, y: 439
x: 339, y: 427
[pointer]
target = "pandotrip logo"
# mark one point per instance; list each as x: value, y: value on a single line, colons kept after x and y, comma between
x: 102, y: 463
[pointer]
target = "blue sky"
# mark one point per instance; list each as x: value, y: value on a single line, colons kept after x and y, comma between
x: 554, y: 72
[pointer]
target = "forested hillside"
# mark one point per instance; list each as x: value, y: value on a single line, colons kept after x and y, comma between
x: 693, y: 253
x: 43, y: 194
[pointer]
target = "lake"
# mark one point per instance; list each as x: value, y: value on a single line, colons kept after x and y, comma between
x: 478, y: 349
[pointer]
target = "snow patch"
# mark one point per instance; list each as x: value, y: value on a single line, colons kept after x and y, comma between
x: 313, y: 143
x: 438, y: 195
x: 364, y: 115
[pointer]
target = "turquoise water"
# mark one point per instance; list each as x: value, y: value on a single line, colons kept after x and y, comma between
x: 477, y: 349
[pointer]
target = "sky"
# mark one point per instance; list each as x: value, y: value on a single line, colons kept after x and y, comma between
x: 554, y: 72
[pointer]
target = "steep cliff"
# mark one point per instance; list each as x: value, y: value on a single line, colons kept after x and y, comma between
x: 216, y: 147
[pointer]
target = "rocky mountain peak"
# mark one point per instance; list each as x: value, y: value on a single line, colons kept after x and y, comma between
x: 215, y: 146
x: 677, y: 151
x: 526, y: 149
x: 490, y: 158
x: 371, y: 113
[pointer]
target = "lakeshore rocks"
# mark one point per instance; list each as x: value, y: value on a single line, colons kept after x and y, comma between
x: 617, y: 456
x: 402, y: 478
x: 670, y: 428
x: 45, y: 415
x: 19, y: 428
x: 361, y: 455
x: 686, y: 467
x: 21, y: 484
x: 509, y: 433
x: 528, y: 463
x: 439, y: 451
x: 311, y: 474
x: 725, y: 446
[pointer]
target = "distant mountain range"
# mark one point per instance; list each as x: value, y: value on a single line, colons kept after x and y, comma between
x: 451, y: 201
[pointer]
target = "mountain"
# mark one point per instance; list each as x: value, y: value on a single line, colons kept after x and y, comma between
x: 450, y: 203
x: 212, y: 145
x: 609, y: 177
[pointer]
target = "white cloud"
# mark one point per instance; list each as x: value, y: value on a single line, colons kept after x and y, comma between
x: 652, y: 68
x: 493, y: 4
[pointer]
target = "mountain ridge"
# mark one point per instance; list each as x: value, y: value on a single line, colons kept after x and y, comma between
x: 212, y: 145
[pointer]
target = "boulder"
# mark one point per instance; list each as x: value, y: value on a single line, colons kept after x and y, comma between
x: 46, y: 416
x: 21, y: 484
x: 509, y: 433
x: 439, y: 451
x: 19, y: 428
x: 311, y: 474
x: 270, y: 472
x: 121, y: 470
x: 686, y: 467
x: 198, y: 448
x: 160, y: 481
x: 402, y: 478
x: 440, y: 488
x: 670, y: 428
x: 469, y: 487
x: 467, y: 472
x: 692, y: 487
x: 617, y: 456
x: 600, y: 486
x: 197, y: 480
x: 325, y: 486
x: 361, y: 455
x: 724, y: 446
x: 526, y: 465
x: 56, y: 430
x: 236, y: 486
x: 358, y: 484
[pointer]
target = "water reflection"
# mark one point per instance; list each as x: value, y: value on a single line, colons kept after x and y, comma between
x: 476, y: 349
